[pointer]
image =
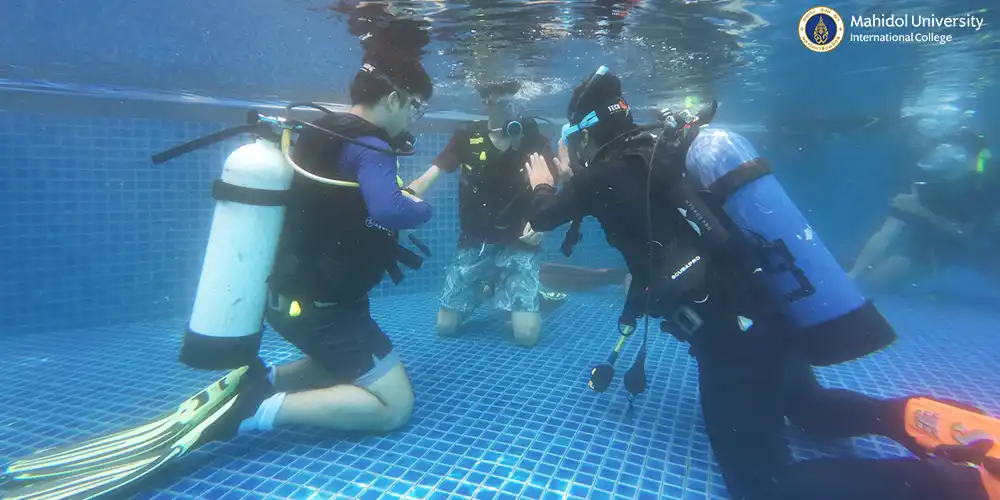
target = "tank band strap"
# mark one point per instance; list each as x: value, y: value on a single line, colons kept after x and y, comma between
x: 223, y: 191
x: 735, y: 179
x: 208, y: 352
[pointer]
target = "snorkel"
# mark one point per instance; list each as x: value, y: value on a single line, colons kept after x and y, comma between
x: 982, y: 158
x: 590, y: 119
x: 976, y: 142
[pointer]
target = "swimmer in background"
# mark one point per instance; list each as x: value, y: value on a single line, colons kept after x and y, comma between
x: 949, y: 216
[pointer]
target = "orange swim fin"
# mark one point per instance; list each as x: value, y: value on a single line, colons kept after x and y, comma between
x: 934, y: 423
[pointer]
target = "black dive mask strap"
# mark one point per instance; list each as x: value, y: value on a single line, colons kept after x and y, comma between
x: 522, y: 126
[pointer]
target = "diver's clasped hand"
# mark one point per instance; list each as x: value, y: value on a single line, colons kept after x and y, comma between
x: 909, y: 203
x: 531, y: 237
x: 538, y: 171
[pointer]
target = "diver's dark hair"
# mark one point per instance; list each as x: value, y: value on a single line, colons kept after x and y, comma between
x: 600, y: 94
x: 384, y: 72
x: 504, y: 87
x: 392, y: 46
x: 382, y: 29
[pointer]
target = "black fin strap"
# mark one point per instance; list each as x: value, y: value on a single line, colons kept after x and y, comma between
x: 735, y: 179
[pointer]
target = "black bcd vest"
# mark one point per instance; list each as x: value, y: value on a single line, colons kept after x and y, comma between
x: 331, y: 250
x: 686, y: 266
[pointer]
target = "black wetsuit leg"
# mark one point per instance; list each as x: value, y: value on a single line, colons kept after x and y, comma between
x: 750, y: 382
x: 837, y: 412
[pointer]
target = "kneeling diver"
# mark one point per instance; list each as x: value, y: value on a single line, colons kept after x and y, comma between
x: 331, y: 233
x: 720, y: 254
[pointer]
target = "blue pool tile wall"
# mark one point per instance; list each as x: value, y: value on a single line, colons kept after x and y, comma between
x: 491, y: 420
x: 91, y: 233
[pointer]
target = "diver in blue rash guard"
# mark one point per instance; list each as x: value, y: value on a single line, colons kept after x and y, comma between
x: 688, y: 251
x: 338, y: 244
x: 338, y: 240
x: 388, y: 205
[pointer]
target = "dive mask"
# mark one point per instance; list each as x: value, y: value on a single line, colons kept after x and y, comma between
x: 417, y: 108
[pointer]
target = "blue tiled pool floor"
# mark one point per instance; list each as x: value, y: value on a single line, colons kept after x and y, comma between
x: 492, y: 421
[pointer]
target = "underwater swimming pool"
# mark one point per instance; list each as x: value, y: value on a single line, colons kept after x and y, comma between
x: 102, y: 251
x: 521, y: 425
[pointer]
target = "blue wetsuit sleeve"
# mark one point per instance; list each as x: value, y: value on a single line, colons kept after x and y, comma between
x: 377, y: 180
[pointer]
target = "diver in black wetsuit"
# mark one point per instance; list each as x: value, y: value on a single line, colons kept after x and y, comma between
x: 754, y: 367
x: 950, y: 216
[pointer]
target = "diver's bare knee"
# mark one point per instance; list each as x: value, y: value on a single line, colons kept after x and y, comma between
x: 527, y: 328
x: 448, y: 321
x: 397, y: 415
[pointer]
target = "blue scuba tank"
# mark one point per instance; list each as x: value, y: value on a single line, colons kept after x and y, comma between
x: 834, y: 322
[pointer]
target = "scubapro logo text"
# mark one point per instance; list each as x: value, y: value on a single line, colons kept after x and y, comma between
x: 686, y: 267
